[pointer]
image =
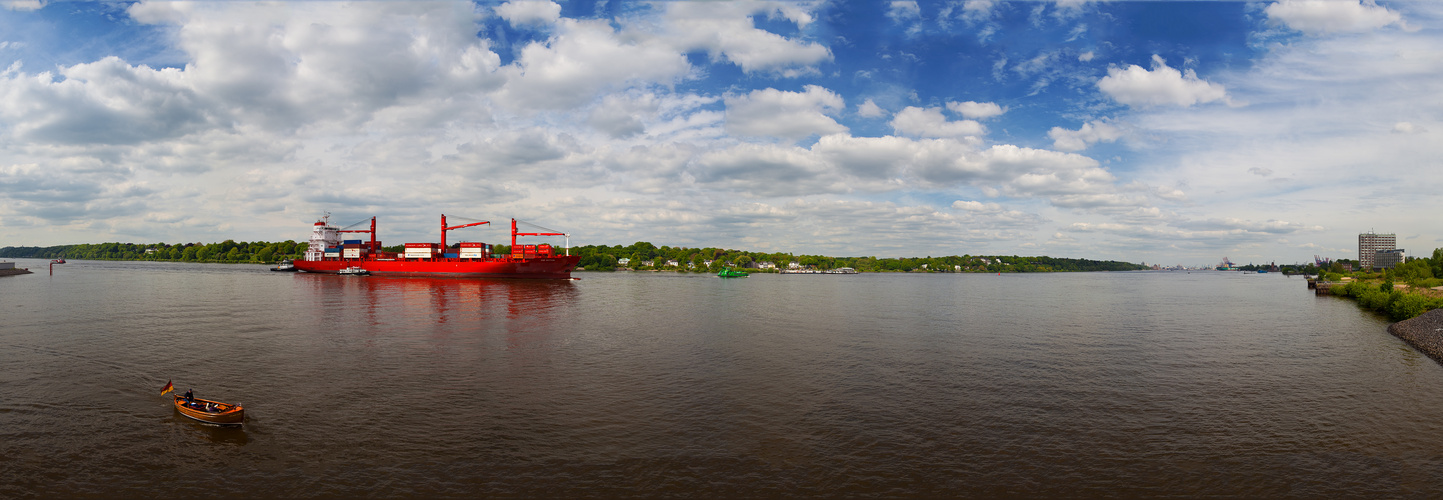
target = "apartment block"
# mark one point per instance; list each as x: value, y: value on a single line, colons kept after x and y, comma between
x: 1370, y: 243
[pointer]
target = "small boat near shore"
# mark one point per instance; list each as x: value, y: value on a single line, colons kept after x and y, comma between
x: 840, y: 270
x: 210, y: 412
x: 285, y: 266
x: 354, y: 271
x: 732, y: 273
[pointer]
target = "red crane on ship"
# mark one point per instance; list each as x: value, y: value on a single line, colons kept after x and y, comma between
x: 444, y: 228
x: 373, y: 246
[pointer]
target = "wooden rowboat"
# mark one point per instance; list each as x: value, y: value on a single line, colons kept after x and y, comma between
x: 221, y: 414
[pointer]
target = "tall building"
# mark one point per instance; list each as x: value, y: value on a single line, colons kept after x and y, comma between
x: 1370, y: 243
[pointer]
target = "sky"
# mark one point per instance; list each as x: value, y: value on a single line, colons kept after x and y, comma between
x: 1157, y: 132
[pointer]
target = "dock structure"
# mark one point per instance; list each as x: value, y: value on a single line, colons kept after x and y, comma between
x: 9, y: 269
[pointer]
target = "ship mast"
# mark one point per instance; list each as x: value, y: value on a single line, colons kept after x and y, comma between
x: 372, y: 230
x: 514, y: 234
x: 444, y: 229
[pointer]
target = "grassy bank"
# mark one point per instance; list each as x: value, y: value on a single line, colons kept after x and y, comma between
x: 1398, y: 302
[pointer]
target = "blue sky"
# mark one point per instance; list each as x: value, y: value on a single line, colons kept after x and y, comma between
x: 1164, y: 132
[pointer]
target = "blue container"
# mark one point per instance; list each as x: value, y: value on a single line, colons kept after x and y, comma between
x: 351, y: 242
x: 449, y: 255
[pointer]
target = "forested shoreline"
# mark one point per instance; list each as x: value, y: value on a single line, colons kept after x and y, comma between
x: 637, y: 256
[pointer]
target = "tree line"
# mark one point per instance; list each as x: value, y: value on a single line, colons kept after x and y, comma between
x: 646, y: 256
x: 638, y: 256
x: 225, y: 251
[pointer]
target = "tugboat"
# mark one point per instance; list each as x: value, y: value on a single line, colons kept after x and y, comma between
x: 354, y: 271
x: 285, y: 266
x: 731, y: 273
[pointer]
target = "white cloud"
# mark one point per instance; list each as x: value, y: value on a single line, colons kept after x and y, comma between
x: 974, y: 11
x: 1320, y: 17
x: 929, y: 122
x: 790, y: 115
x: 1138, y: 87
x: 105, y: 102
x: 1087, y: 135
x: 976, y: 110
x: 727, y: 32
x: 903, y: 10
x: 1086, y: 56
x: 523, y: 12
x: 623, y: 115
x: 583, y: 59
x: 23, y: 5
x: 767, y: 171
x: 869, y: 109
x: 1407, y: 128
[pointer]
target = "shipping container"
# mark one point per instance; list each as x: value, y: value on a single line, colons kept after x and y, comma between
x: 476, y: 244
x: 422, y: 245
x: 351, y: 242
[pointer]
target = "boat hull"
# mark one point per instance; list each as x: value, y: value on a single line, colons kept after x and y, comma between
x: 233, y: 414
x: 557, y: 267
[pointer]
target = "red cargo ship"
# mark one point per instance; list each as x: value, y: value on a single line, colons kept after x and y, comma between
x: 328, y: 253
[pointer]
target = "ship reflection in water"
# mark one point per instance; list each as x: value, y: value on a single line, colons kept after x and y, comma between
x: 661, y: 384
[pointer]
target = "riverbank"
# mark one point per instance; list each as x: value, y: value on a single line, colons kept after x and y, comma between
x: 14, y: 271
x: 1397, y: 302
x: 1424, y: 333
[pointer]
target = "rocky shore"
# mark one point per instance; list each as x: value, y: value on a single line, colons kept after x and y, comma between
x: 1424, y: 333
x: 15, y: 271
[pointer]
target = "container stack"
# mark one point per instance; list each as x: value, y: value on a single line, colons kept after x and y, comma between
x: 476, y: 250
x: 422, y: 250
x: 353, y: 249
x: 332, y: 253
x: 531, y: 251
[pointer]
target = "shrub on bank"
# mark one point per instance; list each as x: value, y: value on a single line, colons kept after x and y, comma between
x: 1407, y: 306
x: 1397, y: 304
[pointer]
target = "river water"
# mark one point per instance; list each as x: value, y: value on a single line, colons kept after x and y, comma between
x: 645, y: 384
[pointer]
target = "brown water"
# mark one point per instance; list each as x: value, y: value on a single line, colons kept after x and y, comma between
x: 1075, y: 385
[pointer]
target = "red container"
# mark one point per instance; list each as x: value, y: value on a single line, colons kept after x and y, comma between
x: 473, y: 245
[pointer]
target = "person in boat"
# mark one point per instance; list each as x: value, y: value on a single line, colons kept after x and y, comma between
x: 189, y: 396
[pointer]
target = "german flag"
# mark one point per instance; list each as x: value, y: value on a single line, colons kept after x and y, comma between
x: 168, y: 387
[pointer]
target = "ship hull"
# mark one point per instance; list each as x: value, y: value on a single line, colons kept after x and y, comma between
x: 557, y: 267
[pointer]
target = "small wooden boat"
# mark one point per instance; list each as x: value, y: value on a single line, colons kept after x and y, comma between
x: 211, y: 412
